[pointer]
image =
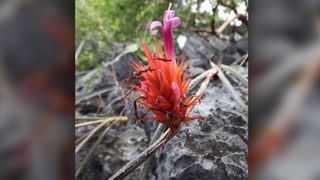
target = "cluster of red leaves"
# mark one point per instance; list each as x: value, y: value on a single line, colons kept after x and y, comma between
x: 163, y: 87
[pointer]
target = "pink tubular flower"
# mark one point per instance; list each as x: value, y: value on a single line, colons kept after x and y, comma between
x: 169, y: 22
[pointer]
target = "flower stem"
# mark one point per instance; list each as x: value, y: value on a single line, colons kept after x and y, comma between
x: 147, y: 165
x: 133, y: 164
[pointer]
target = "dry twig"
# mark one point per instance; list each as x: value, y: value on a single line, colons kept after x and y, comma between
x: 146, y: 166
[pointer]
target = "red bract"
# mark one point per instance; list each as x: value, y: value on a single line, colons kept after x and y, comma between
x: 163, y: 84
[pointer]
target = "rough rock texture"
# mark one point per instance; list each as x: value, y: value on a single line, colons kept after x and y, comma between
x: 194, y: 71
x: 120, y: 145
x: 197, y: 47
x: 212, y: 148
x: 200, y: 50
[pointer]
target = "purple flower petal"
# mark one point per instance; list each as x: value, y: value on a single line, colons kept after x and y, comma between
x: 175, y: 22
x: 168, y: 14
x: 169, y: 22
x: 153, y: 25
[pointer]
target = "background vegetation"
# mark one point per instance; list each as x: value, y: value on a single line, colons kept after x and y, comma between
x: 101, y: 23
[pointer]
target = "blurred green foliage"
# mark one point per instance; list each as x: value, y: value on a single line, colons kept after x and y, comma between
x: 100, y: 23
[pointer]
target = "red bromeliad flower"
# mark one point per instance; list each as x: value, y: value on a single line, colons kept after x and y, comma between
x: 163, y: 84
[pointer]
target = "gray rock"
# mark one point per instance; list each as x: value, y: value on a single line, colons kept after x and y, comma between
x: 219, y: 44
x: 121, y: 144
x: 194, y: 71
x: 198, y: 47
x: 231, y: 49
x: 123, y: 69
x: 236, y: 56
x: 199, y: 50
x: 242, y: 45
x: 198, y: 62
x: 227, y: 59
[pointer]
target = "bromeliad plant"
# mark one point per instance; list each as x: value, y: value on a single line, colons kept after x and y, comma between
x: 162, y: 87
x: 163, y: 84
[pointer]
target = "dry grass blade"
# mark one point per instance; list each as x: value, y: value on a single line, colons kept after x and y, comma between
x: 81, y: 138
x: 244, y: 60
x: 82, y: 165
x: 205, y: 83
x: 220, y: 30
x: 235, y: 73
x: 198, y: 80
x: 227, y: 84
x: 83, y: 118
x: 87, y: 77
x: 92, y: 132
x: 91, y: 95
x: 116, y: 59
x: 89, y: 123
x: 241, y: 60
